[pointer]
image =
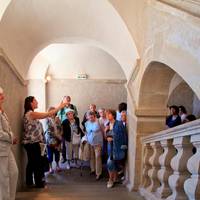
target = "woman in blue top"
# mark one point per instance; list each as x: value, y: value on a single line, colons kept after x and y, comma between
x: 95, y: 139
x: 117, y: 145
x: 174, y: 119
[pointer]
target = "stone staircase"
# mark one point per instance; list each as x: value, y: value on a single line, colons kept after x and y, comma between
x: 70, y: 185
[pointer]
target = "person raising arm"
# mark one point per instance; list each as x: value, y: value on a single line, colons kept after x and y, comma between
x: 33, y: 136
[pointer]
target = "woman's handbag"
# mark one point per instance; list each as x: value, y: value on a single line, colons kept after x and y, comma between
x: 45, y: 163
x: 44, y: 158
x: 110, y: 162
x: 84, y: 151
x: 76, y: 138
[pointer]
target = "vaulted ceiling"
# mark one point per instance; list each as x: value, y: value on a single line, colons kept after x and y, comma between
x: 28, y: 27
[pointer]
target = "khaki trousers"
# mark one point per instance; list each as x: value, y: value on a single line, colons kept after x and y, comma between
x: 72, y: 150
x: 8, y: 177
x: 95, y: 159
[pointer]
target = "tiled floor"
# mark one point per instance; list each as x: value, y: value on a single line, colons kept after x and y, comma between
x: 70, y: 185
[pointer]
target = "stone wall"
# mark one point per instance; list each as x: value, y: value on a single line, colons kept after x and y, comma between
x: 107, y: 94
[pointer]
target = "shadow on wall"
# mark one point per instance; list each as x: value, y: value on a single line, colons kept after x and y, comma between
x: 184, y: 95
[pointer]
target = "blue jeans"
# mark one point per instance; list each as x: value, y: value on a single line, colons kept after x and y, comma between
x: 52, y: 151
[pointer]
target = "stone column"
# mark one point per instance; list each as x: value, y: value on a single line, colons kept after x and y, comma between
x: 192, y: 185
x: 179, y: 166
x: 163, y: 174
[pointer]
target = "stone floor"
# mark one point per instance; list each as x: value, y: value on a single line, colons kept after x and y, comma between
x: 70, y: 185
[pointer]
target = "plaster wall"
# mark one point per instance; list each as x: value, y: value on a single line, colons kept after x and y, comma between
x: 66, y: 61
x: 176, y: 80
x: 84, y: 92
x: 182, y: 95
x: 15, y: 93
x: 37, y: 88
x: 196, y: 106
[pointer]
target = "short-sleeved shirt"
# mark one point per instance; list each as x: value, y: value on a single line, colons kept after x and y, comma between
x: 50, y: 131
x: 33, y: 131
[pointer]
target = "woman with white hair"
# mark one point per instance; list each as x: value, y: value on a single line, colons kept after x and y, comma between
x: 95, y: 139
x: 72, y: 134
x: 8, y: 166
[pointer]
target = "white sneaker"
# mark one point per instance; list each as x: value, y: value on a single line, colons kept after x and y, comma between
x: 68, y: 166
x: 110, y: 184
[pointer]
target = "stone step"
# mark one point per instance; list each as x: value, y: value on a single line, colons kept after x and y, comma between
x: 69, y: 185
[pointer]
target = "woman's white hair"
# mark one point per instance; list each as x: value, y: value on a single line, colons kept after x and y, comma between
x: 1, y: 90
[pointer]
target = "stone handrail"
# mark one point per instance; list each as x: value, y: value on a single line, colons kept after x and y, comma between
x: 171, y: 163
x: 190, y: 6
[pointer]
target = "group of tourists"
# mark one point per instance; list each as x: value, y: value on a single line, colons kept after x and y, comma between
x: 106, y: 138
x: 103, y: 132
x: 103, y: 137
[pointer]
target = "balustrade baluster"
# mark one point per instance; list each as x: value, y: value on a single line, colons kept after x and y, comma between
x: 192, y: 185
x: 163, y: 174
x: 179, y: 166
x: 154, y: 161
x: 147, y: 154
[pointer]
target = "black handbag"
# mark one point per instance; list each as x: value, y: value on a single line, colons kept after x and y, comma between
x: 45, y: 163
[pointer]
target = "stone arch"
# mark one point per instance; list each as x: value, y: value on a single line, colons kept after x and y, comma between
x: 185, y: 96
x: 50, y: 54
x: 155, y: 87
x: 81, y: 59
x: 152, y: 105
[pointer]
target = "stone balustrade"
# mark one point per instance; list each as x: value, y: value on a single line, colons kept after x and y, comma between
x: 171, y: 164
